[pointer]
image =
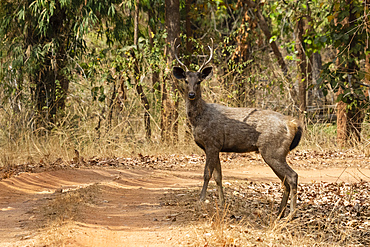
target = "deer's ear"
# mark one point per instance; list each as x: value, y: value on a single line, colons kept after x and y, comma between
x: 178, y: 73
x: 206, y: 73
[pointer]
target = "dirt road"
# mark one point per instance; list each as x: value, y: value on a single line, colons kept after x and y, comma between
x: 128, y: 207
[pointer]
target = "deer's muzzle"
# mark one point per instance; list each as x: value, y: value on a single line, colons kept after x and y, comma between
x: 191, y: 95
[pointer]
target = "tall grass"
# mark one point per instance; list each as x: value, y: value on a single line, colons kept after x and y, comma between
x: 322, y: 136
x: 83, y: 127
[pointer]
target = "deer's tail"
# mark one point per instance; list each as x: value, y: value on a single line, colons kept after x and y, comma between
x: 297, y: 137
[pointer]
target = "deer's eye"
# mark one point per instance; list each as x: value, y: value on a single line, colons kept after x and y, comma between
x: 186, y: 82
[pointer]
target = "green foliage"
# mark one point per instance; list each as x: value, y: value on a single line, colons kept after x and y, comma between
x: 41, y: 38
x: 346, y: 32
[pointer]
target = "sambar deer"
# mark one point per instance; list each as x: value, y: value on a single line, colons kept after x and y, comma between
x: 217, y: 128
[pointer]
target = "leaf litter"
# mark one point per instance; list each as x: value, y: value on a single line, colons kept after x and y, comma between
x: 333, y: 213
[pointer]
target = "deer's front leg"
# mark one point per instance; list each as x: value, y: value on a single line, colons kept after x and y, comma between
x: 212, y: 163
x: 208, y: 170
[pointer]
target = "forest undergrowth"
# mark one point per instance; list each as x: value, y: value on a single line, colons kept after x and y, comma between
x: 20, y: 144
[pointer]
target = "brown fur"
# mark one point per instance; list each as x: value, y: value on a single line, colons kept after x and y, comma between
x: 217, y: 128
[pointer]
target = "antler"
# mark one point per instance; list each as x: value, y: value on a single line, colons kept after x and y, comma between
x: 210, y: 57
x: 178, y: 60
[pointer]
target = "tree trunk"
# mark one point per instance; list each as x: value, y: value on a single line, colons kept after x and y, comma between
x: 155, y: 75
x: 111, y: 103
x: 302, y: 67
x: 189, y: 50
x: 342, y: 130
x: 304, y: 62
x: 51, y: 84
x: 318, y: 94
x: 145, y: 102
x: 367, y: 58
x: 189, y: 33
x: 50, y: 92
x: 169, y: 111
x: 138, y: 86
x: 266, y: 31
x: 349, y: 123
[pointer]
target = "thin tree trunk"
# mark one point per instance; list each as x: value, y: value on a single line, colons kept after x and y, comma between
x: 342, y: 130
x: 138, y: 86
x: 112, y: 101
x: 169, y: 113
x: 189, y: 33
x: 145, y: 102
x: 304, y: 62
x: 367, y: 58
x: 164, y: 114
x: 189, y: 50
x: 318, y: 94
x: 152, y: 30
x: 136, y: 22
x: 266, y: 31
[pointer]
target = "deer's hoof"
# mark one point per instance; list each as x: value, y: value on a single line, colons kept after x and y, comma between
x: 204, y: 201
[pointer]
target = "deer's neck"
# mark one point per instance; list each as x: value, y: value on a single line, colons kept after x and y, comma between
x: 194, y: 109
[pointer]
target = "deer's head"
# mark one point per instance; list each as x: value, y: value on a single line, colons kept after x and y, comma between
x: 193, y: 79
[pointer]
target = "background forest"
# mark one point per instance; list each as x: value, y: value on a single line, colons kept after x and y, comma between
x: 95, y: 76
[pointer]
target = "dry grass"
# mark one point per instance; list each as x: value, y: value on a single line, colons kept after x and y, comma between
x: 322, y: 136
x: 20, y: 145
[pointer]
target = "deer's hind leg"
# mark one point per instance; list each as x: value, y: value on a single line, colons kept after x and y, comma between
x: 218, y: 178
x: 289, y: 178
